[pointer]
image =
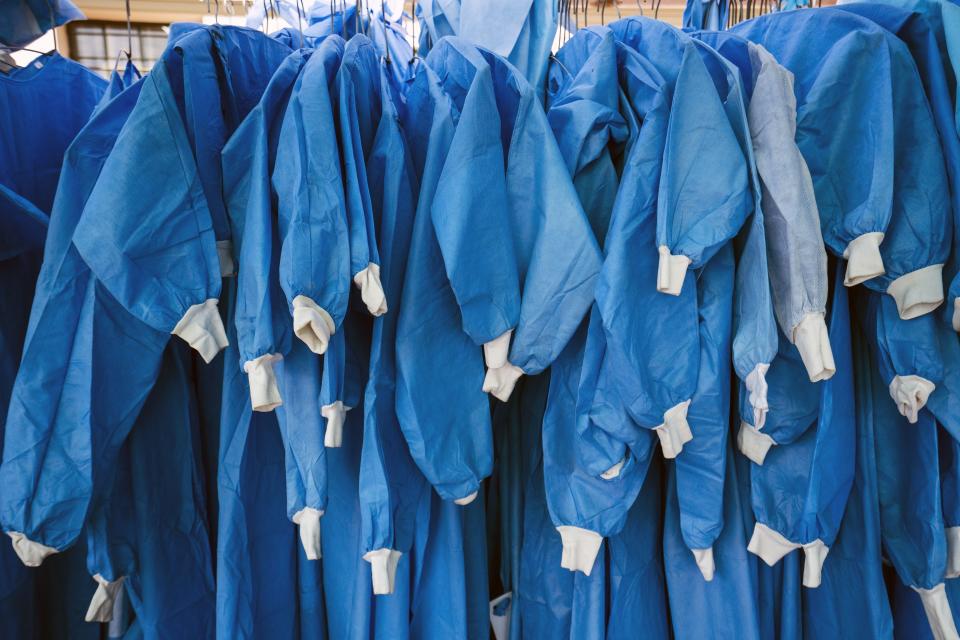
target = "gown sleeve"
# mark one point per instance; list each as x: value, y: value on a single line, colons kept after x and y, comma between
x: 314, y: 260
x: 151, y: 242
x: 698, y: 210
x: 798, y: 258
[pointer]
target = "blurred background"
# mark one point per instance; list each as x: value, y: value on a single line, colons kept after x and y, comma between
x: 96, y: 41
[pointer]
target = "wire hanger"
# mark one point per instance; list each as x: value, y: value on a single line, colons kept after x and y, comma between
x: 300, y: 12
x: 414, y: 38
x: 129, y: 50
x: 7, y: 63
x: 7, y: 60
x: 216, y: 13
x: 53, y: 26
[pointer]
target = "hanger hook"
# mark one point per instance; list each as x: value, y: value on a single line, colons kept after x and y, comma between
x: 53, y: 24
x: 300, y: 11
x: 129, y: 31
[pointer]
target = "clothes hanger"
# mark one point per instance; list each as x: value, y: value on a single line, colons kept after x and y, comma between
x: 129, y: 50
x: 383, y: 16
x: 414, y: 39
x: 300, y: 12
x: 7, y: 63
x: 216, y: 11
x: 564, y: 16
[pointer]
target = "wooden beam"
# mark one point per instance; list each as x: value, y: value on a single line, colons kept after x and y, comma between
x: 166, y: 11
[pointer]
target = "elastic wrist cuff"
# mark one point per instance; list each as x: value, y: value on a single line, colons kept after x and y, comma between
x: 31, y: 554
x: 863, y: 259
x: 500, y: 612
x: 753, y: 443
x: 756, y: 384
x: 704, y: 558
x: 770, y: 546
x: 813, y: 342
x: 228, y: 268
x: 918, y: 292
x: 814, y: 555
x: 580, y: 548
x: 501, y: 381
x: 202, y: 328
x: 465, y: 500
x: 264, y: 392
x: 371, y: 290
x: 937, y: 607
x: 312, y: 324
x: 614, y: 471
x: 671, y: 271
x: 101, y: 605
x: 910, y: 393
x: 308, y: 521
x: 675, y: 430
x: 336, y: 415
x: 495, y: 352
x: 953, y: 552
x: 383, y: 569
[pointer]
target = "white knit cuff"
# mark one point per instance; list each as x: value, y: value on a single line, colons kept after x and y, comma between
x: 501, y: 381
x: 770, y: 546
x: 336, y: 415
x: 704, y: 559
x: 753, y: 443
x: 918, y: 292
x: 614, y: 471
x: 312, y: 324
x: 308, y: 521
x: 580, y: 548
x: 202, y: 328
x: 264, y: 392
x: 383, y: 569
x: 371, y: 290
x: 495, y: 351
x: 937, y: 607
x: 863, y: 259
x: 813, y: 342
x: 101, y: 605
x: 465, y: 500
x: 956, y: 314
x: 756, y: 384
x: 953, y: 552
x: 228, y: 268
x: 500, y: 619
x: 31, y: 553
x: 910, y: 393
x: 814, y: 555
x: 675, y: 430
x: 671, y: 271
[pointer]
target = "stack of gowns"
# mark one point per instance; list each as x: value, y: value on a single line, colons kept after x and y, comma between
x: 333, y: 340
